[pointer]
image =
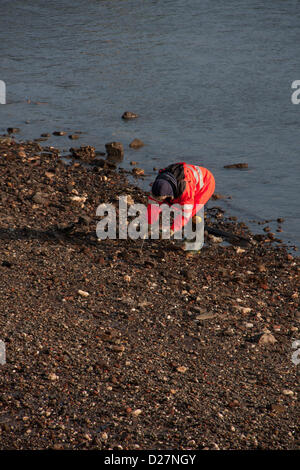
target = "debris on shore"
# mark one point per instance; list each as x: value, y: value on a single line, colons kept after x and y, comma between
x: 112, y: 347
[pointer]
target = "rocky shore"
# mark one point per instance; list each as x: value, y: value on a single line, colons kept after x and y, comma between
x: 110, y: 346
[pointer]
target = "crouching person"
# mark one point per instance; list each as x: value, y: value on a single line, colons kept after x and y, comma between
x: 187, y: 187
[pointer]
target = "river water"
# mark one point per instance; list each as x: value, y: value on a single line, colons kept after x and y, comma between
x: 211, y: 81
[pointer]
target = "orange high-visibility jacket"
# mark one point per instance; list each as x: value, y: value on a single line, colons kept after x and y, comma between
x: 196, y: 185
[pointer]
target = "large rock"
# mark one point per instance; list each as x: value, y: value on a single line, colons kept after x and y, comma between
x: 136, y: 144
x: 85, y: 152
x: 114, y: 149
x: 129, y: 115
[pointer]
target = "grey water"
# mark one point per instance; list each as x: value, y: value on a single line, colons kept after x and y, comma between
x: 210, y: 79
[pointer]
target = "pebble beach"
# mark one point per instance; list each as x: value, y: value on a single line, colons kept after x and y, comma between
x: 111, y: 345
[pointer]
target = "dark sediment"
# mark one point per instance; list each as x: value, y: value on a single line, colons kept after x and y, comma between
x: 113, y: 347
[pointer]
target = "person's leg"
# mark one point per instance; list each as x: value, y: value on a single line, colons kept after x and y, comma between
x: 197, y: 242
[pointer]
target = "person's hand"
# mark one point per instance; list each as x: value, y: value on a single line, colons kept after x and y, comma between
x: 147, y: 233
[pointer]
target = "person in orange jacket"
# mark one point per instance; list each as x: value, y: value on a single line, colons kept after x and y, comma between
x: 189, y: 186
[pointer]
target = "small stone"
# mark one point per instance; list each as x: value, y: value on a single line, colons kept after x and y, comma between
x: 13, y: 130
x: 262, y: 268
x: 73, y: 136
x: 205, y: 316
x: 83, y: 293
x: 244, y: 310
x: 118, y: 348
x: 264, y: 286
x: 237, y: 165
x: 130, y: 200
x: 127, y: 278
x: 84, y: 152
x: 52, y: 376
x: 191, y: 442
x: 276, y: 408
x: 234, y: 404
x: 288, y: 392
x: 59, y: 133
x: 136, y: 413
x: 40, y: 198
x: 214, y: 239
x: 267, y: 338
x: 129, y: 115
x: 136, y: 144
x: 138, y: 171
x: 6, y: 140
x: 181, y: 369
x: 114, y: 149
x: 217, y: 196
x: 58, y: 446
x: 78, y: 199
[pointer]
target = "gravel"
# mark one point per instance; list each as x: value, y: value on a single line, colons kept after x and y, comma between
x: 111, y: 347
